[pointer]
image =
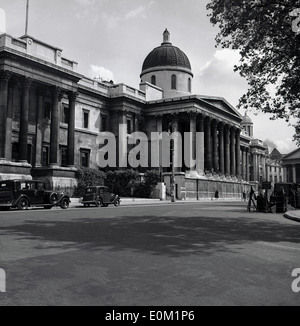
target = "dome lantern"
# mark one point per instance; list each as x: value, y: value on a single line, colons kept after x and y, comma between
x: 166, y: 38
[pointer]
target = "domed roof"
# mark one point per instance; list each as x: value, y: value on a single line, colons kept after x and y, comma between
x: 166, y: 55
x: 247, y: 119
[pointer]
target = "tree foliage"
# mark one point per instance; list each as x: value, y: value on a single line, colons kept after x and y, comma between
x: 88, y: 177
x: 267, y: 35
x: 122, y: 182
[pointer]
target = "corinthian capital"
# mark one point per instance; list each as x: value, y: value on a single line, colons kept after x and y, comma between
x: 5, y: 75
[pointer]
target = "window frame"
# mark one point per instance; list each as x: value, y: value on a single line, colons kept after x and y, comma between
x: 88, y: 152
x: 174, y: 82
x: 86, y: 123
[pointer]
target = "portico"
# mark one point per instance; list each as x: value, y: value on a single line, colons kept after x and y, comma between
x: 31, y: 90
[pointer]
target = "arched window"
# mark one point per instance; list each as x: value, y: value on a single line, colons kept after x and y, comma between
x: 189, y: 85
x: 153, y: 80
x: 174, y: 82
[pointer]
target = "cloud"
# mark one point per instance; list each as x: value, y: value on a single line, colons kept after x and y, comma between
x: 87, y: 2
x: 283, y: 146
x: 140, y: 11
x: 101, y: 73
x: 223, y: 62
x: 2, y: 21
x: 217, y: 77
x: 90, y: 9
x: 111, y: 21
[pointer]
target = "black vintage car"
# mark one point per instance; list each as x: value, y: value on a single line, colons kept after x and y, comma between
x: 23, y: 194
x: 100, y: 196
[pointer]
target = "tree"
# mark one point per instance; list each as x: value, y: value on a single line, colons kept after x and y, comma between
x: 87, y: 178
x: 267, y: 35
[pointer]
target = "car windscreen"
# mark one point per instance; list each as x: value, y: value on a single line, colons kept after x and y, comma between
x: 90, y: 190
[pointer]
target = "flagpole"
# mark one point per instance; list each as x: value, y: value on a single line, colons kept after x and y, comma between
x: 27, y: 14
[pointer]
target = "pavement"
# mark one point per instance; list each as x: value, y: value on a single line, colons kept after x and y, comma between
x: 75, y: 202
x: 293, y: 215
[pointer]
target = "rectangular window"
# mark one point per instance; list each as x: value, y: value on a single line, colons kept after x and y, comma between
x: 63, y: 156
x: 65, y: 114
x: 47, y: 111
x: 15, y: 152
x: 129, y: 126
x: 45, y: 156
x: 29, y: 151
x: 86, y: 118
x: 103, y: 123
x: 85, y: 158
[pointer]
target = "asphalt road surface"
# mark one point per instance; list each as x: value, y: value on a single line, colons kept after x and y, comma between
x: 183, y: 254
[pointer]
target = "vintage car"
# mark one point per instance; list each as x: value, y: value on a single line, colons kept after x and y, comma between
x: 100, y: 196
x: 23, y: 194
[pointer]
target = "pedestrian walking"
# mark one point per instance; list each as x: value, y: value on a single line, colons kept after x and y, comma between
x: 216, y: 194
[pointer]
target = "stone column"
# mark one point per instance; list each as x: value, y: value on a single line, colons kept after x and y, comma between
x: 255, y: 169
x: 232, y: 152
x: 177, y: 144
x: 159, y: 129
x: 200, y: 146
x: 193, y: 130
x: 247, y: 165
x: 9, y: 120
x: 294, y: 180
x: 243, y: 163
x: 208, y: 145
x: 227, y: 149
x: 238, y: 153
x: 221, y: 148
x: 215, y: 146
x: 71, y: 129
x: 4, y: 79
x: 39, y: 127
x: 23, y: 137
x: 54, y: 132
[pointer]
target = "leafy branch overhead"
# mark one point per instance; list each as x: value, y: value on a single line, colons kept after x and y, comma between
x: 267, y: 35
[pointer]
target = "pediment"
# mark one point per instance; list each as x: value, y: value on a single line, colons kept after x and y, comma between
x: 294, y: 155
x: 223, y: 105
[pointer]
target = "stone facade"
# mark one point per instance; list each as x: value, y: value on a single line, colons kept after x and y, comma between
x: 51, y: 116
x: 291, y: 165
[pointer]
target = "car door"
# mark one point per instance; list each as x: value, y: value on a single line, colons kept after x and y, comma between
x: 39, y: 193
x: 27, y: 189
x: 102, y: 194
x: 110, y: 196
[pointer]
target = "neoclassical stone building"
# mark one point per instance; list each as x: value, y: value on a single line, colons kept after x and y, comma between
x: 51, y: 116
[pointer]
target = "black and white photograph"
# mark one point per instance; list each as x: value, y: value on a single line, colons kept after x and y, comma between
x: 149, y: 155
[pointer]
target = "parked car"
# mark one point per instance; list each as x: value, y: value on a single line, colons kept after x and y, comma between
x: 100, y: 196
x: 23, y: 194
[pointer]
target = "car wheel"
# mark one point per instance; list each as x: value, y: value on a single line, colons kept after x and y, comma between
x: 23, y: 204
x: 117, y: 203
x: 99, y: 202
x: 53, y: 198
x: 65, y: 203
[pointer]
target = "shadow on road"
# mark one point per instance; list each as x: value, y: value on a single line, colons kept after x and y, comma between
x: 172, y: 236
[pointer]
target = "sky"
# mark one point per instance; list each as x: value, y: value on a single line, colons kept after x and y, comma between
x: 111, y: 39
